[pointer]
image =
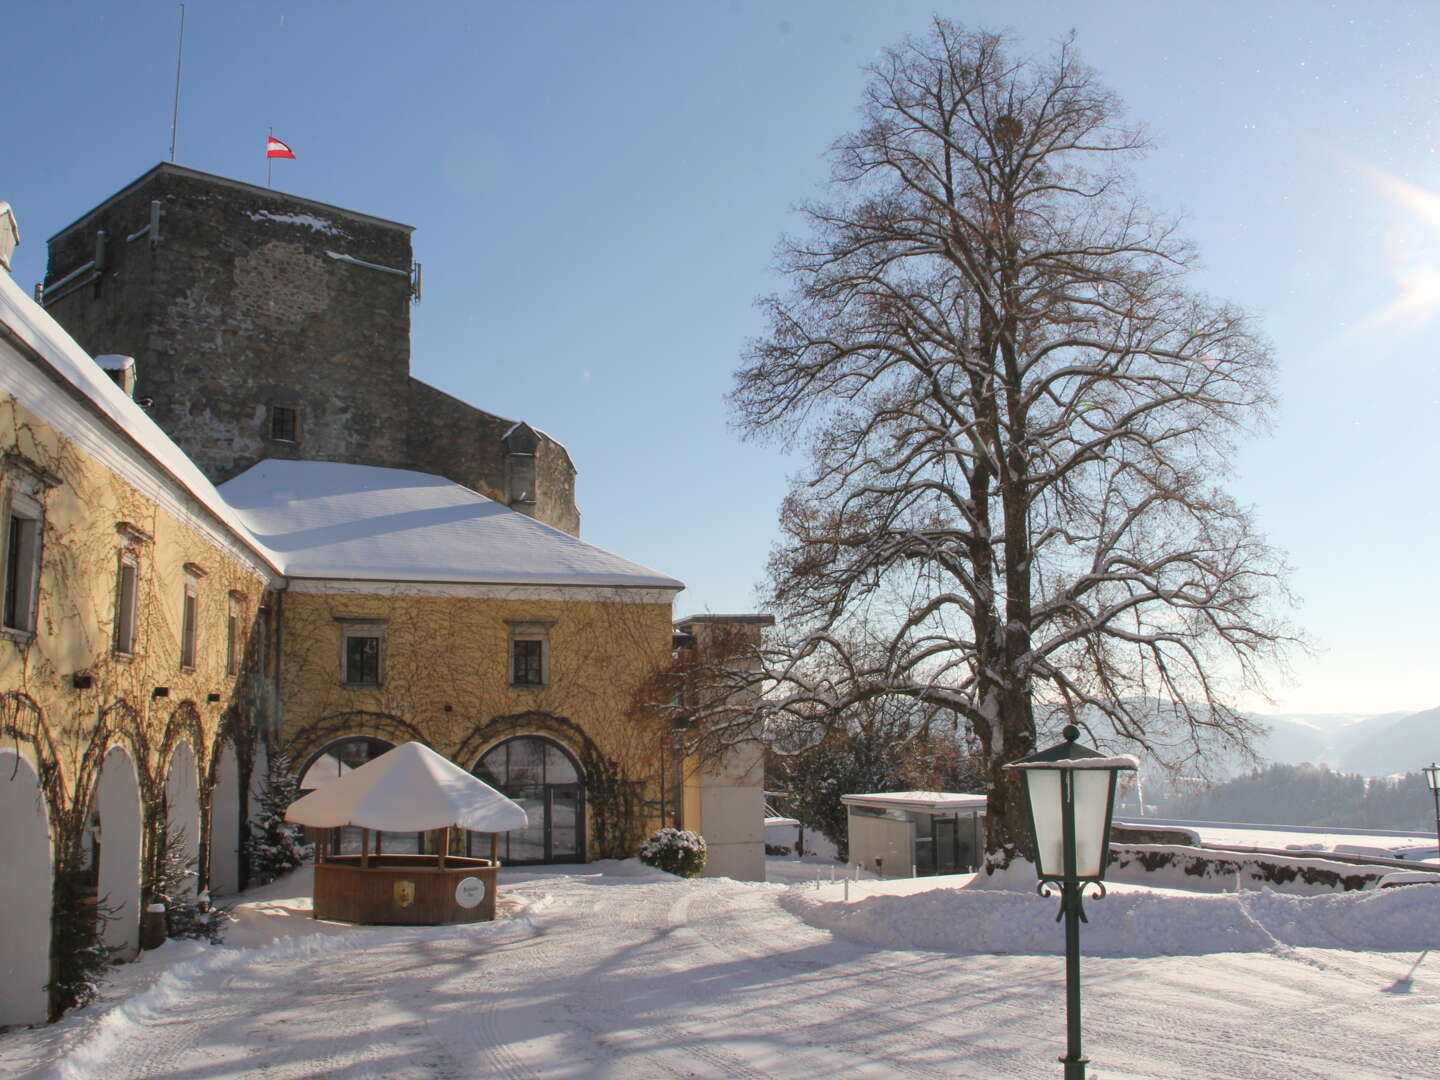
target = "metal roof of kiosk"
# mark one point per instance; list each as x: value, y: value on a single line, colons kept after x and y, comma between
x: 408, y: 789
x: 926, y: 802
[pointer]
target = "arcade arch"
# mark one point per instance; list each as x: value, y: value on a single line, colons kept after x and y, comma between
x: 115, y: 836
x: 25, y: 891
x: 544, y: 778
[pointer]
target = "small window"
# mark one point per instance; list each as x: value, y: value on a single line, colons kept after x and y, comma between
x: 24, y: 528
x: 363, y: 648
x: 232, y: 634
x: 529, y: 653
x: 22, y: 565
x: 284, y: 423
x: 187, y: 623
x: 125, y: 606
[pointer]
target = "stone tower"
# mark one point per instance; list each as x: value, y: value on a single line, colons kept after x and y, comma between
x: 265, y: 325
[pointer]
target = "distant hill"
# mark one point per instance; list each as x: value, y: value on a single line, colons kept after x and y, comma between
x: 1374, y: 744
x: 1391, y: 744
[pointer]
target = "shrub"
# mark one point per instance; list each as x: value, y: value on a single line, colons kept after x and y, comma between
x: 275, y: 846
x: 776, y: 849
x: 79, y: 958
x: 186, y: 914
x: 676, y: 851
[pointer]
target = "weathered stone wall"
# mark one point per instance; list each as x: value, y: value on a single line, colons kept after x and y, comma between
x: 235, y: 304
x: 238, y: 306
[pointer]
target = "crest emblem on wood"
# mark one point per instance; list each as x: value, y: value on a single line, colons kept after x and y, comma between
x: 404, y: 893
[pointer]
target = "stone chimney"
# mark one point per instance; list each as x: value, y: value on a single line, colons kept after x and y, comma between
x: 120, y: 368
x: 9, y: 235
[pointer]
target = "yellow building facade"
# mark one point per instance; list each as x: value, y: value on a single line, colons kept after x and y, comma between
x: 160, y: 639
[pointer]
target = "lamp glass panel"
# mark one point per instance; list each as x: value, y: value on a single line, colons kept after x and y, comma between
x: 1043, y: 786
x: 1432, y: 777
x: 1092, y: 806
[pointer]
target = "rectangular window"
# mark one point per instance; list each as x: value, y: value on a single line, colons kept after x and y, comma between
x: 284, y: 423
x: 125, y: 605
x: 232, y: 634
x: 529, y: 653
x: 187, y: 624
x: 362, y: 654
x: 22, y: 561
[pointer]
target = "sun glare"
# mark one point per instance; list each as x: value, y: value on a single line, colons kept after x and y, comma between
x: 1412, y: 253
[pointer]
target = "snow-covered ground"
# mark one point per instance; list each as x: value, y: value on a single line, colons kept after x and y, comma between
x: 613, y: 970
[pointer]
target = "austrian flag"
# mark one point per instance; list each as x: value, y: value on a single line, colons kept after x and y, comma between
x: 275, y: 148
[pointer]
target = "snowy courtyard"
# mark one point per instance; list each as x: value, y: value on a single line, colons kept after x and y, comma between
x: 613, y: 970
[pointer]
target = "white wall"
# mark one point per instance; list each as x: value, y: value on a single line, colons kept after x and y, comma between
x: 882, y: 838
x: 225, y: 825
x: 732, y: 815
x: 117, y: 798
x: 25, y: 889
x: 182, y: 799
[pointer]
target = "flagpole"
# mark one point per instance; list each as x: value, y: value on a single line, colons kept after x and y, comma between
x: 179, y: 58
x: 269, y: 161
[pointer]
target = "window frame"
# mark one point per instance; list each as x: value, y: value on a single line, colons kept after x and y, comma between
x: 356, y: 629
x: 189, y: 622
x: 276, y: 409
x: 235, y: 614
x: 22, y: 556
x: 528, y: 631
x: 127, y: 622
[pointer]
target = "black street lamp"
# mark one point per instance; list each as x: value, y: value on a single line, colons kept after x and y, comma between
x: 1432, y: 777
x: 1069, y: 797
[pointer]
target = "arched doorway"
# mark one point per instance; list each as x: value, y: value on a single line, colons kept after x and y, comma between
x: 225, y: 824
x: 543, y: 777
x: 116, y: 849
x: 25, y: 889
x: 337, y: 759
x: 182, y: 806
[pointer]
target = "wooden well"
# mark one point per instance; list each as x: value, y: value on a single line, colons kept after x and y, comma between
x: 405, y: 890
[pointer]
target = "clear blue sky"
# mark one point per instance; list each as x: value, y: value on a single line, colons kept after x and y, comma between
x: 597, y: 189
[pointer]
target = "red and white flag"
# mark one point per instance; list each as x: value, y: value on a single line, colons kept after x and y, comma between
x: 275, y: 148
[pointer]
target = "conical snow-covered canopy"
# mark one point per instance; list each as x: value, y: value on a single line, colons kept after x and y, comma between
x: 408, y: 789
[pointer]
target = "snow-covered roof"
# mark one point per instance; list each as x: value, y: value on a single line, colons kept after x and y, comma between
x: 408, y: 789
x: 31, y: 324
x: 115, y: 362
x: 929, y: 801
x: 331, y: 520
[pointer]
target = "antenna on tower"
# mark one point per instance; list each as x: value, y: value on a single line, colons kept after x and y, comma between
x: 179, y: 56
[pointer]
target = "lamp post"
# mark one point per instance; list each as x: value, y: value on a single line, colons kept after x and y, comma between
x: 1069, y: 798
x: 1432, y: 777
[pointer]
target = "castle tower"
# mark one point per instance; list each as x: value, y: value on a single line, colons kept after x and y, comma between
x: 264, y: 325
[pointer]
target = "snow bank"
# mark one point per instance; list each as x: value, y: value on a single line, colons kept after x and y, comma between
x: 1135, y: 923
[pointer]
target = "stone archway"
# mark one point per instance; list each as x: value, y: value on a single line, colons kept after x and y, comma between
x: 225, y: 823
x: 182, y: 802
x: 117, y: 808
x: 25, y: 893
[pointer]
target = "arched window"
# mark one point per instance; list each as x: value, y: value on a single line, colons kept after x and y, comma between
x: 543, y: 778
x: 339, y: 758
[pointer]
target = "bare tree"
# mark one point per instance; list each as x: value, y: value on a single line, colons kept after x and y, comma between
x: 1015, y: 415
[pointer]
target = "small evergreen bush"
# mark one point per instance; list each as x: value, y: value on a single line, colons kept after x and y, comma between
x: 676, y: 851
x: 80, y: 959
x: 186, y: 914
x: 276, y: 846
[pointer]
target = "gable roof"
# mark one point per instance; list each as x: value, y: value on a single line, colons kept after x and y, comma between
x: 330, y: 520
